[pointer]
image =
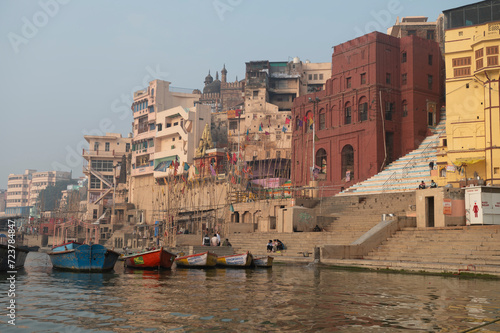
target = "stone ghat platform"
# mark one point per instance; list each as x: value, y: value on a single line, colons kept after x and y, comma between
x: 454, y: 250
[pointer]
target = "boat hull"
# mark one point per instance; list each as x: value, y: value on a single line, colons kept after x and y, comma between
x: 199, y: 260
x: 236, y: 260
x: 84, y: 258
x: 20, y: 257
x: 150, y: 260
x: 263, y: 261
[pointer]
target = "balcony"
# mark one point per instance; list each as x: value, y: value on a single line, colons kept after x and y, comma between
x: 143, y: 170
x: 102, y: 153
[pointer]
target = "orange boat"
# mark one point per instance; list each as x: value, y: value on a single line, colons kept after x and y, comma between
x: 154, y: 259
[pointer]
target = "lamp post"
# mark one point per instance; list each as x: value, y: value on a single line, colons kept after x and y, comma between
x: 315, y: 103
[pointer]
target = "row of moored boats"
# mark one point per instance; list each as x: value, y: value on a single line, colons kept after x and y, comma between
x: 97, y: 258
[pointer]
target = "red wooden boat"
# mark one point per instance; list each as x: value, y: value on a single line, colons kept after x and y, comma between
x: 160, y: 258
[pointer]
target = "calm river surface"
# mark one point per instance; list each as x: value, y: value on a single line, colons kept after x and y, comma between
x: 298, y: 298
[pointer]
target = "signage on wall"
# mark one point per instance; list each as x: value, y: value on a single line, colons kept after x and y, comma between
x: 447, y: 206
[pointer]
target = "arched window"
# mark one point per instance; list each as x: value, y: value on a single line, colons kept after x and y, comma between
x: 442, y: 172
x: 153, y: 92
x: 322, y: 119
x: 347, y: 113
x: 309, y: 122
x: 363, y: 109
x: 321, y: 160
x: 297, y: 123
x: 405, y: 108
x: 347, y: 162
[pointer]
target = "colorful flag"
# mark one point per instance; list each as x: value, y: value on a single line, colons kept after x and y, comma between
x: 248, y: 131
x: 287, y: 121
x: 228, y: 157
x: 267, y: 133
x: 212, y: 170
x: 299, y: 122
x: 186, y: 166
x: 235, y: 159
x: 316, y: 137
x: 196, y: 171
x: 284, y: 129
x: 260, y: 127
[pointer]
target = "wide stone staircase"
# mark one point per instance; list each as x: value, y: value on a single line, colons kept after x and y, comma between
x: 474, y: 249
x: 406, y: 173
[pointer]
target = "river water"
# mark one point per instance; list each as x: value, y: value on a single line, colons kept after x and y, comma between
x: 292, y: 298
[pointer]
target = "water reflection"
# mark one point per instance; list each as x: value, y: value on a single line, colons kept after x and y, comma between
x: 305, y: 298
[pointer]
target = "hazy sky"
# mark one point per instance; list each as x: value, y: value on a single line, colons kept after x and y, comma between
x: 69, y: 68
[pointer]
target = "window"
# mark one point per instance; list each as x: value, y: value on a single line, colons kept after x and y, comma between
x: 430, y: 34
x: 348, y: 82
x: 457, y: 62
x: 310, y: 76
x: 347, y: 114
x: 493, y: 61
x: 159, y: 127
x: 404, y: 79
x: 102, y: 165
x: 127, y: 147
x: 106, y: 146
x: 167, y: 125
x: 233, y: 125
x: 405, y: 108
x: 363, y: 110
x: 479, y: 64
x: 389, y: 110
x: 176, y: 123
x: 96, y: 146
x: 321, y: 160
x: 412, y: 32
x: 94, y: 182
x: 363, y: 78
x: 255, y: 94
x: 403, y: 57
x: 322, y: 120
x: 347, y: 169
x: 492, y: 50
x: 268, y: 154
x: 315, y: 76
x: 321, y: 76
x: 297, y: 123
x: 429, y: 60
x: 429, y: 81
x: 278, y: 154
x: 461, y: 71
x: 388, y: 78
x: 479, y: 53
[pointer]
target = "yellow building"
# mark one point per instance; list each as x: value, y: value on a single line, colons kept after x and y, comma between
x: 470, y: 150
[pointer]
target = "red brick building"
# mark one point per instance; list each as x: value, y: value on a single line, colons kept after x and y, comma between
x: 383, y: 95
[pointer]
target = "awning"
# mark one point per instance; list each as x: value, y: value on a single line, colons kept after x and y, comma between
x: 468, y: 160
x: 163, y: 163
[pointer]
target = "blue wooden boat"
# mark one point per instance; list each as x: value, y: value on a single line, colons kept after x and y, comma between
x: 83, y: 257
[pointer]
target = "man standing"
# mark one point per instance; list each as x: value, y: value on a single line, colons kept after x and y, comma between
x: 214, y: 241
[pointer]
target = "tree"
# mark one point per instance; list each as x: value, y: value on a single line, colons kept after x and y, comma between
x: 51, y: 195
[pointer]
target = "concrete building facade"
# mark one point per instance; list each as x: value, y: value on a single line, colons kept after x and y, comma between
x: 383, y: 94
x: 23, y: 189
x: 103, y: 163
x: 470, y: 150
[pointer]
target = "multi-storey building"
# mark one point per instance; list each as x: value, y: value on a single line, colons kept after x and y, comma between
x: 262, y: 132
x: 157, y: 97
x: 222, y: 95
x: 420, y: 27
x: 178, y: 135
x: 383, y: 94
x: 470, y: 150
x: 3, y: 200
x: 23, y: 190
x: 103, y: 162
x: 147, y: 103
